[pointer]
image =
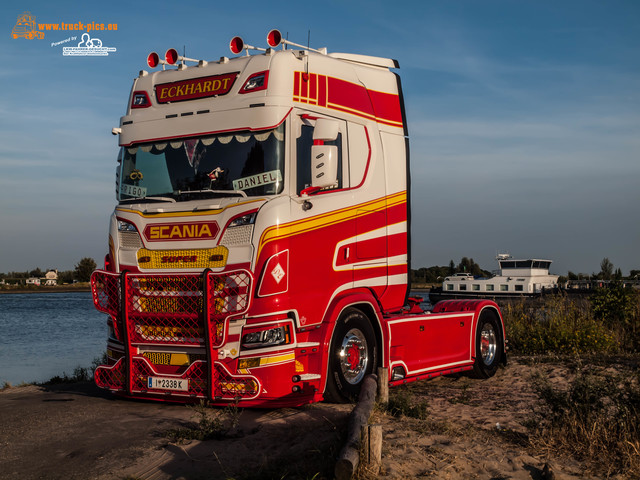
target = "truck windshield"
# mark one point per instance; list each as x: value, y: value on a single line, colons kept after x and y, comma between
x: 237, y: 163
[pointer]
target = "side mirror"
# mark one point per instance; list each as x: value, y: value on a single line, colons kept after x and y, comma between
x: 326, y: 129
x: 324, y: 158
x: 324, y: 165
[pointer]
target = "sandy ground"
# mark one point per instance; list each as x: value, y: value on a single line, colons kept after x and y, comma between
x: 78, y: 431
x: 473, y: 430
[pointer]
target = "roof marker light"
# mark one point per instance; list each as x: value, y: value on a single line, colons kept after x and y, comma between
x: 257, y: 81
x: 140, y: 99
x: 153, y: 60
x: 274, y: 38
x: 236, y: 45
x: 171, y: 56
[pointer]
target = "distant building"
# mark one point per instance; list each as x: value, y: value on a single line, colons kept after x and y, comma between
x: 33, y: 281
x: 51, y: 278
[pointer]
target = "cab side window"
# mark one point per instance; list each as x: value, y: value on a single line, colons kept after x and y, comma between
x: 303, y: 152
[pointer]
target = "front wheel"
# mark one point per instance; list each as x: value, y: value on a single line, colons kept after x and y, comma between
x: 489, y: 345
x: 352, y: 356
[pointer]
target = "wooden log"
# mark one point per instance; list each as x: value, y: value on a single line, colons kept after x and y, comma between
x: 383, y: 385
x: 350, y: 455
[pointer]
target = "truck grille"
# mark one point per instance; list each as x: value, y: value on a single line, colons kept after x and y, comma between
x: 130, y: 240
x: 181, y: 259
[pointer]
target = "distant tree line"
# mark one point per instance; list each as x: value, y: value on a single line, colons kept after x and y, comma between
x: 81, y: 273
x: 608, y: 272
x: 436, y: 274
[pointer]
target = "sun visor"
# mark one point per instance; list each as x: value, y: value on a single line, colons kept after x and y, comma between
x: 173, y: 127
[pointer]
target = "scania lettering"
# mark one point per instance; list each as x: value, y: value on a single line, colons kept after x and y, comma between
x: 259, y: 250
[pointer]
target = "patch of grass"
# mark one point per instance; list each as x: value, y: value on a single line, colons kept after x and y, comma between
x: 465, y: 396
x: 213, y: 423
x: 403, y: 403
x: 80, y: 374
x: 596, y: 417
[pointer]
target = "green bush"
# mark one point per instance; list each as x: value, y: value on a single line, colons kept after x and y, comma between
x: 619, y: 309
x: 556, y: 324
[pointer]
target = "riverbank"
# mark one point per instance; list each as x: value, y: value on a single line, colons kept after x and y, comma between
x: 86, y: 287
x: 75, y: 287
x: 451, y: 428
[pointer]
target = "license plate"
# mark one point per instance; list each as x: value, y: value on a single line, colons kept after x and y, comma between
x: 164, y: 383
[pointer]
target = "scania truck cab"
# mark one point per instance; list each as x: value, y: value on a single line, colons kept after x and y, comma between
x: 259, y: 250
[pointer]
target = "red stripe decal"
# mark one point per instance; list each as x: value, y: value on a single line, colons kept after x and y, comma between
x: 397, y: 244
x: 296, y: 84
x: 313, y: 84
x: 349, y: 95
x: 398, y: 269
x: 386, y: 106
x: 322, y: 90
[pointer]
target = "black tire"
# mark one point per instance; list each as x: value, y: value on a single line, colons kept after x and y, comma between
x: 353, y: 355
x: 489, y: 345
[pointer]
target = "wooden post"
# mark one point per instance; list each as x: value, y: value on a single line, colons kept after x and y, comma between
x: 383, y: 385
x: 350, y: 455
x: 374, y: 448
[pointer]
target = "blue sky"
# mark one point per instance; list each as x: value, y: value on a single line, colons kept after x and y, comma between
x: 524, y: 119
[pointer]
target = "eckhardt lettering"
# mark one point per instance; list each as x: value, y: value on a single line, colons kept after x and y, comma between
x: 195, y: 88
x: 180, y: 231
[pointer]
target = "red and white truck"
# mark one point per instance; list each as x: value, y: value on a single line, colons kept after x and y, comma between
x: 259, y: 251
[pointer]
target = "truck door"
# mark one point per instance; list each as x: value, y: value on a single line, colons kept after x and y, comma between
x: 322, y: 249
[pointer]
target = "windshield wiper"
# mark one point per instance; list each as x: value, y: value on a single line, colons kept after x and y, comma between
x: 149, y: 199
x: 223, y: 193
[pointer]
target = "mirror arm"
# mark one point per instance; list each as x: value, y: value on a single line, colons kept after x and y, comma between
x: 309, y: 191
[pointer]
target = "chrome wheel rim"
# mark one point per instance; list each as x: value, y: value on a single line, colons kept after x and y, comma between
x: 488, y: 343
x: 354, y: 356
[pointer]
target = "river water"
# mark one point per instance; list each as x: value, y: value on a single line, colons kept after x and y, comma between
x: 47, y: 334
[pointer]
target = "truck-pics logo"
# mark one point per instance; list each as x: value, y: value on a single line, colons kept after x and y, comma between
x: 181, y: 231
x: 25, y: 27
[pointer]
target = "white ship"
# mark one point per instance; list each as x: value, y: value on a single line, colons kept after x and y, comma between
x: 515, y: 278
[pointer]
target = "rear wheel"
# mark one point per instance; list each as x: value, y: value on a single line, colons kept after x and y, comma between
x: 352, y: 356
x: 488, y: 345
